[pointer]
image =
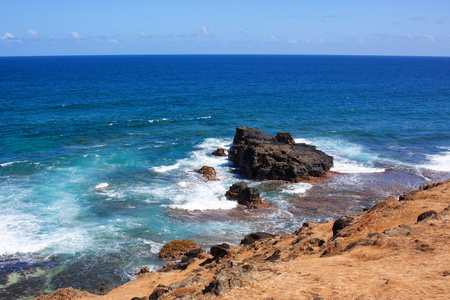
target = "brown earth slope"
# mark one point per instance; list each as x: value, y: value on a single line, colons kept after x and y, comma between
x: 383, y: 253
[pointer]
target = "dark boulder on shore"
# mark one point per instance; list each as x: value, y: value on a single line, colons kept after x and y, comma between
x: 254, y: 237
x: 261, y: 156
x: 219, y: 251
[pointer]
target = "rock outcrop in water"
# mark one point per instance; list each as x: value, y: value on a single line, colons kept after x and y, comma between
x: 247, y: 196
x: 219, y: 152
x: 209, y: 173
x: 261, y: 156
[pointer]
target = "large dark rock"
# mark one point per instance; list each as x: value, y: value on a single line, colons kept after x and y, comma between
x: 158, y: 292
x: 426, y: 215
x: 254, y: 237
x: 341, y: 223
x: 247, y: 196
x: 261, y: 156
x: 219, y: 251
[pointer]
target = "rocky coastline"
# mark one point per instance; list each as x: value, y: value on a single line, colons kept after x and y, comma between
x: 398, y: 249
x: 384, y: 252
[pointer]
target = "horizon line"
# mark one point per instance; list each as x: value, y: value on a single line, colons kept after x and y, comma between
x: 218, y: 54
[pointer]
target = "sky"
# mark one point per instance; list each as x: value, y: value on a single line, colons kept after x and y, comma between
x: 313, y: 27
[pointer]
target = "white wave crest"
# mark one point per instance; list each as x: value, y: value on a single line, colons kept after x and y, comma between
x: 164, y: 169
x: 102, y: 186
x: 347, y: 157
x: 297, y: 188
x: 342, y: 165
x: 158, y: 120
x: 439, y: 162
x: 13, y: 162
x: 155, y: 247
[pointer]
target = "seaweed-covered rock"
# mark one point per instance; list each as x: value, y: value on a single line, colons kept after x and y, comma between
x: 261, y: 156
x: 177, y: 249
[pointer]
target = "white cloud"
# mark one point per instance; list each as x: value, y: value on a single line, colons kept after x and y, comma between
x: 430, y: 38
x: 273, y: 38
x: 7, y: 36
x: 406, y: 38
x: 207, y: 32
x: 75, y: 35
x: 315, y: 41
x: 292, y: 41
x: 418, y: 18
x: 32, y: 32
x: 143, y: 34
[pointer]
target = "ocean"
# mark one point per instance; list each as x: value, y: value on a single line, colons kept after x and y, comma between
x: 97, y: 152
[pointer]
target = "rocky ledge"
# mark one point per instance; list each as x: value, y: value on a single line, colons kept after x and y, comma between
x: 398, y: 249
x: 261, y: 156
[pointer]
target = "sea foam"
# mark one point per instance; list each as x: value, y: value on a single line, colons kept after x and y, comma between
x: 164, y: 169
x: 297, y: 188
x: 439, y: 162
x: 192, y: 192
x: 102, y: 186
x: 343, y: 165
x: 347, y: 157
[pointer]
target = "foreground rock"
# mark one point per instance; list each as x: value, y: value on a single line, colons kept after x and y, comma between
x: 386, y: 252
x: 247, y: 196
x: 261, y: 156
x: 209, y: 173
x: 177, y: 249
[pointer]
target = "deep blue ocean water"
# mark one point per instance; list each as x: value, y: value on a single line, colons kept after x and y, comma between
x: 97, y: 152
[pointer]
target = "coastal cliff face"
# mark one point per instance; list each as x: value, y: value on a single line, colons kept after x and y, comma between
x: 261, y: 156
x: 398, y: 249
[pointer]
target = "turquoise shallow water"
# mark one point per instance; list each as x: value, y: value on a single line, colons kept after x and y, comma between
x: 96, y: 153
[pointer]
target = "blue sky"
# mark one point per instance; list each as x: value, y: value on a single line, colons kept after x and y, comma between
x: 346, y: 27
